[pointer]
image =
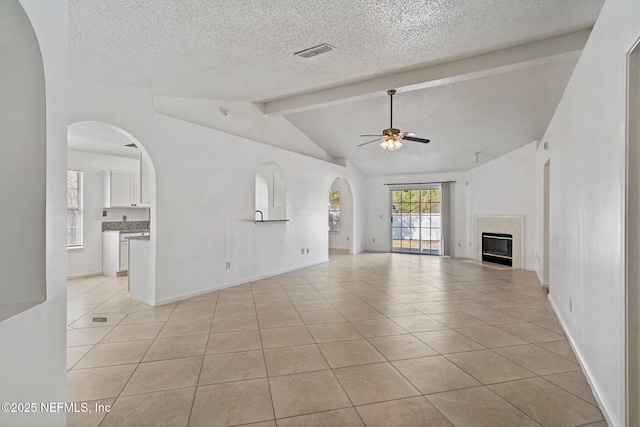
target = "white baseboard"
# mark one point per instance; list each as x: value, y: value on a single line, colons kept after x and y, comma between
x: 231, y: 284
x: 541, y: 280
x: 597, y: 393
x: 79, y: 276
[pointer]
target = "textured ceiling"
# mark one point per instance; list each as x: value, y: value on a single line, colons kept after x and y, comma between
x: 492, y: 115
x: 243, y: 50
x: 97, y: 137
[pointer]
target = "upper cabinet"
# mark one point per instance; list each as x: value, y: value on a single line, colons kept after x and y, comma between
x: 121, y: 189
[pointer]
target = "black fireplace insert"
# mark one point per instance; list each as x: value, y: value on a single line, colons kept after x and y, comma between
x: 497, y: 247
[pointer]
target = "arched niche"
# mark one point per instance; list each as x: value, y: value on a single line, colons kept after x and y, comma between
x: 341, y: 237
x: 270, y: 193
x: 22, y: 163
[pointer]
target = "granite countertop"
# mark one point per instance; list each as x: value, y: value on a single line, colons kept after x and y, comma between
x: 126, y: 227
x: 138, y: 238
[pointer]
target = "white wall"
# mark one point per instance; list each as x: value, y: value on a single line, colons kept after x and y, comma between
x: 587, y: 151
x: 505, y: 186
x: 213, y: 174
x: 88, y: 260
x: 22, y: 160
x: 33, y: 356
x: 342, y: 239
x: 205, y: 200
x: 378, y: 208
x: 245, y: 119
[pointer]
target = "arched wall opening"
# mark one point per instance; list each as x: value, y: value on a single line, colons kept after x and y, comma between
x: 23, y: 142
x: 101, y: 150
x: 270, y: 192
x: 341, y: 219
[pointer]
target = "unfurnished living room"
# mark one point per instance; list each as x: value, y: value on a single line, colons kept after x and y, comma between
x: 297, y: 213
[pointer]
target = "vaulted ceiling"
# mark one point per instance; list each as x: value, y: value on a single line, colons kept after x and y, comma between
x: 473, y: 76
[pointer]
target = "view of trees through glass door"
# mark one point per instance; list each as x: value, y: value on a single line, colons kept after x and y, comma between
x: 415, y: 221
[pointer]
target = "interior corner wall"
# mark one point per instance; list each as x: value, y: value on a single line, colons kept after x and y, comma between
x: 587, y: 150
x: 33, y: 356
x: 205, y: 202
x: 87, y: 260
x: 378, y: 213
x: 505, y: 186
x: 542, y: 157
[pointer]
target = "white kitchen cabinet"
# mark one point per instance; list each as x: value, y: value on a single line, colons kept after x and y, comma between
x: 115, y: 252
x: 124, y: 254
x: 111, y: 257
x: 121, y: 189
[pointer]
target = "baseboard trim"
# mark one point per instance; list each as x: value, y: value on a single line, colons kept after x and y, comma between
x: 541, y: 280
x: 597, y: 393
x: 231, y: 284
x: 79, y: 276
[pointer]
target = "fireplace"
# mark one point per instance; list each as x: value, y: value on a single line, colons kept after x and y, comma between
x: 497, y: 248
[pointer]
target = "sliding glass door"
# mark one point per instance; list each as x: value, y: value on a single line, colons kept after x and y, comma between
x: 416, y: 221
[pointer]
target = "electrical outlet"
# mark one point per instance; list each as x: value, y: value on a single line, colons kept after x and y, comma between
x: 228, y: 266
x: 124, y: 218
x: 307, y: 250
x: 459, y: 244
x: 373, y: 240
x: 104, y: 213
x: 302, y: 251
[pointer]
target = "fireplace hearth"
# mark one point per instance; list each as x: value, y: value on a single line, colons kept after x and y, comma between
x: 497, y: 248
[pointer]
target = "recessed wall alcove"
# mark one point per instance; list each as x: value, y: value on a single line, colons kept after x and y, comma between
x: 22, y: 164
x: 270, y: 193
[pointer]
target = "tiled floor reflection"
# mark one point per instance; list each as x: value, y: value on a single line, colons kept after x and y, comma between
x: 371, y: 339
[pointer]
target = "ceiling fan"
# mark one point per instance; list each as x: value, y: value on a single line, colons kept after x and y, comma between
x: 392, y: 137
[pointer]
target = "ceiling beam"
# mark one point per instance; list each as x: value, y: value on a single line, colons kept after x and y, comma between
x: 512, y: 59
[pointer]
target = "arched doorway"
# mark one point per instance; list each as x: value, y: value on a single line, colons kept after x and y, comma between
x: 341, y: 216
x: 113, y: 179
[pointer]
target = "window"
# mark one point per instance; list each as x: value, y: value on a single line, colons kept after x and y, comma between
x: 74, y: 208
x: 334, y: 210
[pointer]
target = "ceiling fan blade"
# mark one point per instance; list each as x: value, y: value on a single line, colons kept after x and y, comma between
x: 369, y: 142
x: 413, y: 138
x: 379, y: 136
x: 408, y: 134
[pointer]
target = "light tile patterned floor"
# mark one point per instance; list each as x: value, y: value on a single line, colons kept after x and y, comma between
x: 373, y: 339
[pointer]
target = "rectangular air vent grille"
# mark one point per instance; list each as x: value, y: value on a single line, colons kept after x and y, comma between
x: 315, y: 51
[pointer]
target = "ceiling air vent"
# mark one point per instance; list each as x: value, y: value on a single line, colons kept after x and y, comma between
x: 315, y: 51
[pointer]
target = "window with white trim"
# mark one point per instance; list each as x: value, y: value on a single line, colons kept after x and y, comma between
x: 74, y: 208
x: 334, y: 210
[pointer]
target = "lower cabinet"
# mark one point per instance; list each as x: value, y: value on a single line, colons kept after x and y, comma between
x: 112, y: 255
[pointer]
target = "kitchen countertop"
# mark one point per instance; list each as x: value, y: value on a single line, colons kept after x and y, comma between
x: 137, y: 237
x: 126, y: 227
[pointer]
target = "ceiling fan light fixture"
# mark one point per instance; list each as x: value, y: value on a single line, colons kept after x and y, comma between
x: 391, y: 142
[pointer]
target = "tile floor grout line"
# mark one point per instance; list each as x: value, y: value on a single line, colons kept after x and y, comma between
x: 364, y: 291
